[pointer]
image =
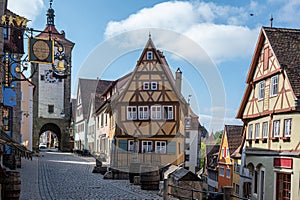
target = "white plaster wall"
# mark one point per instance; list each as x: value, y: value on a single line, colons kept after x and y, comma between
x: 50, y: 94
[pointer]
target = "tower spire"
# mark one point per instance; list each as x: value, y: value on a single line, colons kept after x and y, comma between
x: 50, y: 15
x: 271, y: 21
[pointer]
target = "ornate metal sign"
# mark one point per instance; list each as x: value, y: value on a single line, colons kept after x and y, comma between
x: 41, y: 50
x: 61, y: 66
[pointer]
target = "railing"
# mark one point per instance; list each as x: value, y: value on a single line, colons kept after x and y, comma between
x: 123, y: 159
x: 191, y: 193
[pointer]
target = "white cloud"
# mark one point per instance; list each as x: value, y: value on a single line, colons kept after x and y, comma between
x: 28, y: 9
x: 218, y: 29
x: 289, y: 12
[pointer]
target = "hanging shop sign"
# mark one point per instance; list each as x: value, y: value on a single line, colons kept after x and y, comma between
x: 41, y: 50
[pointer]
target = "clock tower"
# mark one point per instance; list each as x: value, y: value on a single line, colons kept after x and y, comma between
x: 51, y: 106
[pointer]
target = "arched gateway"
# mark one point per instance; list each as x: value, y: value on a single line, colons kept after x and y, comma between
x: 51, y: 106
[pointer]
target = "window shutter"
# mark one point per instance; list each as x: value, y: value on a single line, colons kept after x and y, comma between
x: 171, y: 149
x: 122, y: 145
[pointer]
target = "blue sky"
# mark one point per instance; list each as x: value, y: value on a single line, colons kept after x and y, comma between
x: 224, y: 29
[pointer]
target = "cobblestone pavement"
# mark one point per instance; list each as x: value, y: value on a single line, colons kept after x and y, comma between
x: 66, y: 176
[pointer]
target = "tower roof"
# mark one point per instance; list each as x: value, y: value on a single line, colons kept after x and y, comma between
x: 50, y: 15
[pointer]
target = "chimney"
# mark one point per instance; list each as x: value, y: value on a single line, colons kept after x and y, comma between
x: 178, y: 79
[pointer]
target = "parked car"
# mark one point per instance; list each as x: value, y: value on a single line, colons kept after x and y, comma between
x: 43, y: 146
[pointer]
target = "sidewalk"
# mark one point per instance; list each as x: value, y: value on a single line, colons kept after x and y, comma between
x: 29, y: 179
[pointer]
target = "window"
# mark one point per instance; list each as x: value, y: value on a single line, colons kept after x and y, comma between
x: 187, y: 134
x: 250, y: 131
x: 168, y: 112
x: 265, y: 130
x: 274, y: 85
x: 131, y: 112
x: 131, y: 145
x: 147, y: 146
x: 160, y: 147
x: 283, y: 186
x: 102, y: 119
x: 187, y: 146
x: 143, y: 113
x: 223, y: 153
x: 255, y: 181
x: 50, y: 108
x: 276, y: 128
x: 146, y: 85
x: 221, y: 171
x: 5, y: 32
x: 257, y: 130
x: 188, y: 122
x: 287, y: 127
x: 187, y: 157
x: 261, y: 90
x: 155, y: 112
x: 149, y: 55
x: 153, y: 85
x: 227, y: 172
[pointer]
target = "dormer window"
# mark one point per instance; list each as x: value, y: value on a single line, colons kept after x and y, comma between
x: 149, y: 55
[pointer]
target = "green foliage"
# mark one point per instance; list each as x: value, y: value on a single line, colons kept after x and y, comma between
x: 202, y: 154
x: 218, y: 136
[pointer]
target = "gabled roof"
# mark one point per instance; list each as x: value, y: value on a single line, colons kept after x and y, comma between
x: 285, y: 44
x: 87, y: 87
x: 181, y: 174
x: 161, y: 60
x: 234, y: 135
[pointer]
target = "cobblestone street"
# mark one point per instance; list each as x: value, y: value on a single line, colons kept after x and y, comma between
x: 57, y: 175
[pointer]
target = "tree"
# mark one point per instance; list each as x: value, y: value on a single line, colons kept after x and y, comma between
x: 218, y: 136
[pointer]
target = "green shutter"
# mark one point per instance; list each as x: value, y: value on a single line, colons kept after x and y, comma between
x: 122, y: 145
x: 171, y: 148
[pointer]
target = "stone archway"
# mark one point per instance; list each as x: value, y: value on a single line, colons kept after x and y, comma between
x: 54, y: 129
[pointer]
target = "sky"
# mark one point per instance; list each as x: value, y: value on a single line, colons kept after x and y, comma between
x: 211, y: 41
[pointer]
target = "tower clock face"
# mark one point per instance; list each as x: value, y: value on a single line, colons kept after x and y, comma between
x: 41, y: 50
x: 49, y: 77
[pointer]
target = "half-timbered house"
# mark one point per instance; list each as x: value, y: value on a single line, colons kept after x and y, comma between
x: 231, y: 140
x: 270, y: 112
x: 149, y: 114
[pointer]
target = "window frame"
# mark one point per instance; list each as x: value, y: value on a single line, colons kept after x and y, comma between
x: 149, y: 55
x: 143, y: 112
x: 154, y: 85
x: 257, y: 130
x: 222, y: 169
x: 276, y: 128
x: 146, y: 85
x: 168, y: 113
x: 149, y: 144
x: 162, y: 149
x: 50, y: 108
x: 289, y: 128
x: 228, y: 173
x: 265, y: 129
x: 155, y: 114
x: 250, y: 130
x: 274, y: 86
x: 131, y: 115
x: 261, y: 90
